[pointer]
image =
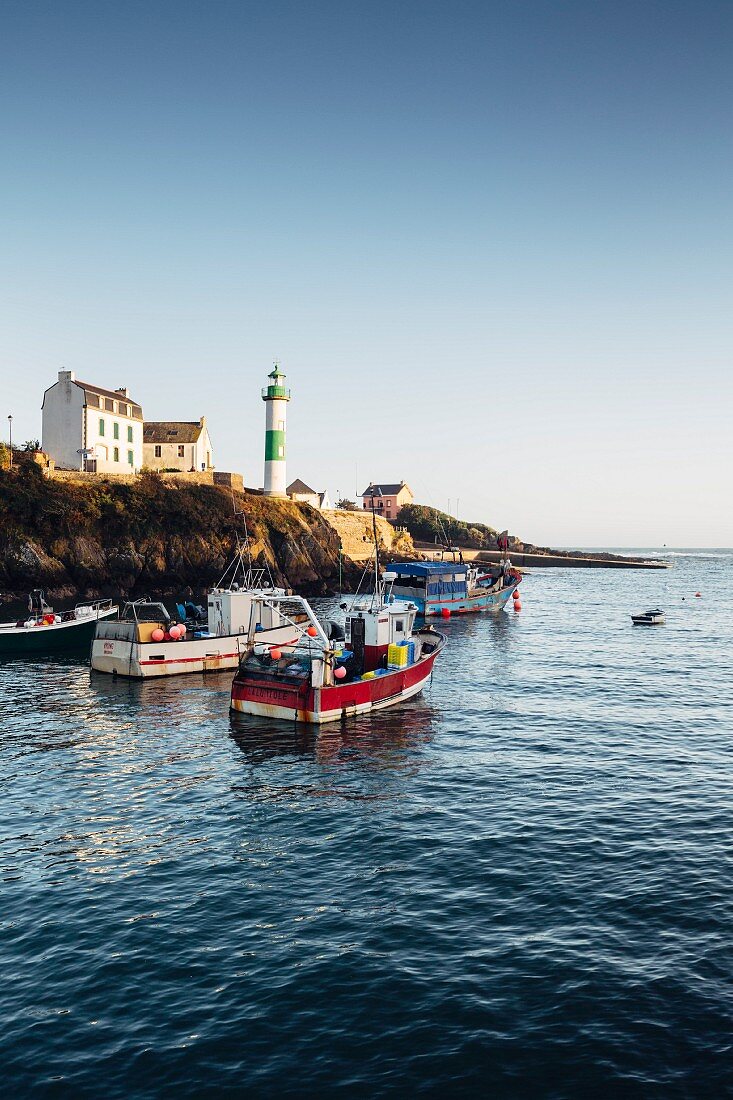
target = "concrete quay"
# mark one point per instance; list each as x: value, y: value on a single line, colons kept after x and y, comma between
x: 553, y: 561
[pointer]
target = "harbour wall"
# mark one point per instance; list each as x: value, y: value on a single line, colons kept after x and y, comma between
x: 552, y: 560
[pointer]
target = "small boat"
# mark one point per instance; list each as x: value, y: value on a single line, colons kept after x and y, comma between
x: 146, y: 642
x: 376, y: 661
x: 649, y: 618
x: 437, y: 587
x: 47, y: 631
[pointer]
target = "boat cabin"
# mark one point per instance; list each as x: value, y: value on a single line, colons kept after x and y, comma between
x: 229, y: 613
x: 431, y: 580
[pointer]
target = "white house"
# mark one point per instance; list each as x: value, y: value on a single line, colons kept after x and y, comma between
x: 177, y: 445
x: 85, y: 427
x: 299, y: 491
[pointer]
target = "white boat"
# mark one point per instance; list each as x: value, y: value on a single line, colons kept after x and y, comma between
x: 655, y: 617
x: 147, y: 643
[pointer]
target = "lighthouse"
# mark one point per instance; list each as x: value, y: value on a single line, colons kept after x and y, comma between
x: 276, y: 397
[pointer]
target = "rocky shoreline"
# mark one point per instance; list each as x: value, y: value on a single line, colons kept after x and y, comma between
x: 85, y: 540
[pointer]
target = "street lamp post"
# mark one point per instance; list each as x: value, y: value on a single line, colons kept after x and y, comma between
x: 10, y: 427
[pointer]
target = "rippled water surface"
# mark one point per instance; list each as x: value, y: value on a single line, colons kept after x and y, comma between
x: 517, y: 885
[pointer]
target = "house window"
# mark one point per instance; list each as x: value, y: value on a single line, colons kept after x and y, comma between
x: 115, y: 454
x: 180, y: 450
x: 129, y: 435
x: 109, y: 405
x: 101, y: 426
x: 116, y: 430
x: 389, y: 503
x: 130, y: 458
x: 158, y: 450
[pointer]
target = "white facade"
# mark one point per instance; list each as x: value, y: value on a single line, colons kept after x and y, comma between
x: 86, y: 427
x: 178, y: 445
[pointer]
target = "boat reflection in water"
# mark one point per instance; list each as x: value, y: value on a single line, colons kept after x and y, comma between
x: 384, y: 741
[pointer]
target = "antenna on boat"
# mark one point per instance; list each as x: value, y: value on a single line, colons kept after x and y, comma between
x: 376, y: 541
x: 251, y: 577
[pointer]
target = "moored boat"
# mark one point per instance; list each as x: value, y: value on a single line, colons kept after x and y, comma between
x: 377, y: 661
x: 145, y: 642
x: 437, y: 587
x: 655, y: 617
x: 47, y: 631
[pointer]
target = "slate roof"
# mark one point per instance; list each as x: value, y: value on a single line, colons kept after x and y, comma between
x: 378, y: 487
x: 299, y: 486
x: 172, y: 431
x: 100, y: 391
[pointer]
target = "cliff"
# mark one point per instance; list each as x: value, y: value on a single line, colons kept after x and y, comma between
x: 151, y: 534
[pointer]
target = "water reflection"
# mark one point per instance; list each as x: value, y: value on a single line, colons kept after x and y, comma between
x: 386, y: 741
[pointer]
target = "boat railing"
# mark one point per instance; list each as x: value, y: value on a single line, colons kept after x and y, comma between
x: 288, y: 607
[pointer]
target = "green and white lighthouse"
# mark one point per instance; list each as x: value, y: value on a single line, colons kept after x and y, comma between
x: 276, y: 397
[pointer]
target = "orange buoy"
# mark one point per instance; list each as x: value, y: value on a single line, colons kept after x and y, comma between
x: 516, y: 593
x: 275, y: 654
x: 445, y: 612
x: 517, y: 605
x: 311, y: 632
x: 157, y: 635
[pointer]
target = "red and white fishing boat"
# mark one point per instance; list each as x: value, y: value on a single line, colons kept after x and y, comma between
x: 376, y: 660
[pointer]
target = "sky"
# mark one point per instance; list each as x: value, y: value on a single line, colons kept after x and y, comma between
x: 489, y: 243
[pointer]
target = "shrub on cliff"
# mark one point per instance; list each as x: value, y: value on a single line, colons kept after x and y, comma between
x: 430, y: 525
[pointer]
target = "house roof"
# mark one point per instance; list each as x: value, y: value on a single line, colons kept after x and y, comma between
x: 376, y: 487
x: 299, y: 486
x: 100, y: 391
x: 172, y: 431
x: 118, y: 396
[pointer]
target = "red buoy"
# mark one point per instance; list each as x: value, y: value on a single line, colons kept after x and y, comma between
x: 445, y: 612
x: 517, y: 605
x: 275, y: 654
x: 698, y: 594
x: 311, y: 632
x: 516, y: 593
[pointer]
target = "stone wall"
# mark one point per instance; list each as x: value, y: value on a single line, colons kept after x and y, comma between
x: 357, y: 536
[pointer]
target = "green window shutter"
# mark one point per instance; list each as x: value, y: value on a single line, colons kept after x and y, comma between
x: 101, y: 426
x: 129, y: 435
x: 130, y: 458
x: 116, y: 430
x: 116, y: 454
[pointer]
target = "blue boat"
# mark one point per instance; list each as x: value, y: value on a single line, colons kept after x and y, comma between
x: 438, y: 587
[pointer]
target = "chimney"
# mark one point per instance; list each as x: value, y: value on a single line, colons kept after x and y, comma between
x: 66, y: 376
x: 202, y: 422
x: 123, y: 391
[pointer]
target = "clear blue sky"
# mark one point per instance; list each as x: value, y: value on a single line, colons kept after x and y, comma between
x: 490, y: 243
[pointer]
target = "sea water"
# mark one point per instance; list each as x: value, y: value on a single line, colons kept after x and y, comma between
x: 517, y: 885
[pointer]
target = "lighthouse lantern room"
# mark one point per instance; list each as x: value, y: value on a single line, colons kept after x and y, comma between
x: 276, y: 397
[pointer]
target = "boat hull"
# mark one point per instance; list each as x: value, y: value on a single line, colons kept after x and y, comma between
x: 316, y: 705
x: 149, y: 660
x: 71, y: 637
x: 461, y: 605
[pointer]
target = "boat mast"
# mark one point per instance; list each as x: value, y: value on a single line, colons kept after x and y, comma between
x: 376, y: 543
